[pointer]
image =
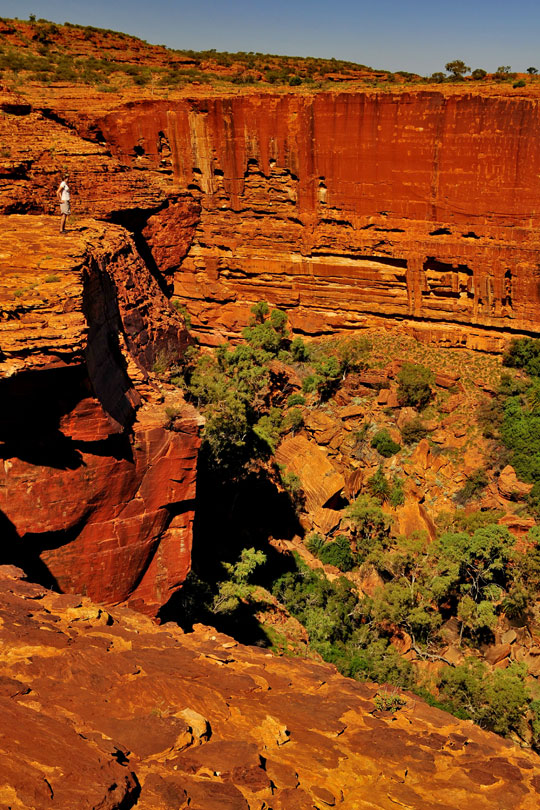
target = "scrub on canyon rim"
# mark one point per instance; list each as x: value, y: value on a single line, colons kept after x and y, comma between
x: 64, y: 196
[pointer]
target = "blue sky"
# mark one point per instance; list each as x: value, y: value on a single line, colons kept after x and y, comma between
x: 418, y: 35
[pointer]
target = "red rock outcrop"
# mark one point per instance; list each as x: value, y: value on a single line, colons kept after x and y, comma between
x: 96, y: 494
x: 104, y: 709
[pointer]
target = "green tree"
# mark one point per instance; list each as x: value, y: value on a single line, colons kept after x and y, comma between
x: 268, y: 333
x: 369, y: 525
x: 524, y: 353
x: 299, y: 350
x: 414, y: 385
x: 532, y: 71
x: 457, y: 68
x: 495, y: 700
x: 237, y: 586
x: 478, y: 74
x: 338, y: 553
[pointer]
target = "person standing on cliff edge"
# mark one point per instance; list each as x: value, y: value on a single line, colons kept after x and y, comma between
x: 64, y: 197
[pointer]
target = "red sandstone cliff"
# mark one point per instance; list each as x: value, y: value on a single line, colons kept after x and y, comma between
x: 346, y: 209
x: 96, y: 495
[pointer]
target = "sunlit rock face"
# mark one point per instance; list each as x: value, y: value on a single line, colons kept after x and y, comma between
x: 117, y: 713
x: 349, y: 209
x: 96, y: 493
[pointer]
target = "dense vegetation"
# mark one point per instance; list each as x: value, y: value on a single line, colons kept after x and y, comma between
x: 512, y: 418
x: 246, y: 397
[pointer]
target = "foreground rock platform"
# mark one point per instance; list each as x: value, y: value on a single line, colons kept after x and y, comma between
x: 106, y: 710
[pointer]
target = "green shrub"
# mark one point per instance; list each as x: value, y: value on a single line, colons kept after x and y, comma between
x: 292, y: 485
x: 369, y: 525
x: 296, y: 399
x: 524, y: 353
x: 478, y: 74
x: 299, y: 350
x: 520, y: 432
x: 338, y: 553
x: 414, y: 385
x: 389, y: 701
x: 384, y: 444
x: 413, y: 431
x: 314, y: 542
x: 520, y: 83
x: 294, y: 419
x: 379, y: 485
x: 268, y: 333
x: 475, y: 483
x: 494, y: 700
x: 533, y: 500
x: 396, y: 496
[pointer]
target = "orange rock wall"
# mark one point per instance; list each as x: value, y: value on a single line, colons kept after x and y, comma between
x: 96, y: 492
x: 350, y: 209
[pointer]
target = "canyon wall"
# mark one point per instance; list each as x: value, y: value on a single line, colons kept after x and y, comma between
x: 97, y: 487
x: 349, y: 209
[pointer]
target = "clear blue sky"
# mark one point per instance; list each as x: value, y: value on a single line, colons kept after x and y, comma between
x: 419, y: 35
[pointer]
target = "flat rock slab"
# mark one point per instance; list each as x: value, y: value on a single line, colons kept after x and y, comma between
x: 131, y: 714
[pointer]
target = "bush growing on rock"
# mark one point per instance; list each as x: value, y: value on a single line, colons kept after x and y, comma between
x: 334, y: 552
x: 475, y: 483
x: 414, y: 385
x: 237, y: 586
x: 232, y: 388
x: 299, y: 350
x: 413, y: 431
x: 369, y: 524
x: 294, y: 420
x: 384, y: 444
x: 379, y: 485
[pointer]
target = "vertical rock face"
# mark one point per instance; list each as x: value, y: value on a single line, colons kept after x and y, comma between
x: 347, y: 209
x: 96, y: 494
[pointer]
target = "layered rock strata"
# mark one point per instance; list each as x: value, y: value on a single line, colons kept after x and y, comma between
x: 352, y: 209
x: 104, y: 709
x: 96, y: 494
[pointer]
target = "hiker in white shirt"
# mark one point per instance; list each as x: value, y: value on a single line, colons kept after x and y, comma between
x: 64, y: 197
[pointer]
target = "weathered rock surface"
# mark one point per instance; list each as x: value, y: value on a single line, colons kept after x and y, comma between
x: 347, y: 208
x: 96, y: 495
x: 104, y: 709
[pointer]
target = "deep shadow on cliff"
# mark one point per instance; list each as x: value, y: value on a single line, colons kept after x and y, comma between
x: 231, y: 514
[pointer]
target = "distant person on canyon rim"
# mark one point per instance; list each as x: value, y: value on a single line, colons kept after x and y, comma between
x: 64, y: 197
